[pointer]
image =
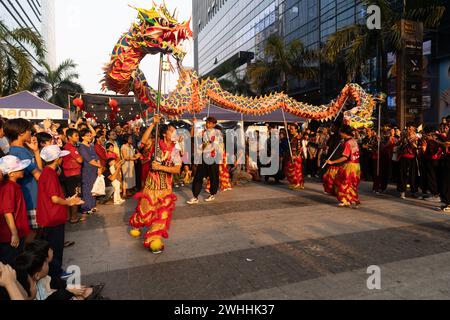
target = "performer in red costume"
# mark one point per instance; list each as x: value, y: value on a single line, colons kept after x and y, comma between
x: 349, y: 175
x: 294, y: 165
x: 335, y: 148
x: 157, y: 201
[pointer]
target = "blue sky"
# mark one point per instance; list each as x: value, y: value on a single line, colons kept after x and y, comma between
x: 87, y: 30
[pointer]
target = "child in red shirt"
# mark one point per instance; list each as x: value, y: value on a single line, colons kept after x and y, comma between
x: 110, y: 154
x: 52, y: 206
x: 14, y: 225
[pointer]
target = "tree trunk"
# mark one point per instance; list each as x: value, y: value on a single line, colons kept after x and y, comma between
x: 382, y: 78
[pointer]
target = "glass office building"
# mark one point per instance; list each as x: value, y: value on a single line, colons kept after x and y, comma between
x: 233, y: 33
x: 224, y: 28
x: 37, y: 15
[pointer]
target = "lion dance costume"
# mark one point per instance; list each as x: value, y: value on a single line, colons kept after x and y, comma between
x: 156, y: 202
x: 294, y: 166
x: 349, y: 175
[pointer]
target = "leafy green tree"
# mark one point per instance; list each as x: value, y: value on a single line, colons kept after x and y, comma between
x: 16, y: 68
x: 55, y: 85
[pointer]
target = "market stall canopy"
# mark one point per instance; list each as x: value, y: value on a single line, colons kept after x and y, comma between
x: 97, y: 105
x: 28, y: 106
x: 228, y: 115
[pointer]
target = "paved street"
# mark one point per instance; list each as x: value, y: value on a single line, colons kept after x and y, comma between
x: 268, y: 242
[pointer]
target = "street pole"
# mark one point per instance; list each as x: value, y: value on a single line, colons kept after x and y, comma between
x: 68, y: 106
x: 158, y: 104
x: 379, y: 139
x: 287, y: 135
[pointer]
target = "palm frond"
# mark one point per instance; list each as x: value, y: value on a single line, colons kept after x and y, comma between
x: 340, y: 41
x: 23, y: 66
x: 31, y: 38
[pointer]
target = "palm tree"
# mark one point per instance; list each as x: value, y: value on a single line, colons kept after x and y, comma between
x: 356, y: 44
x: 237, y: 84
x: 55, y: 85
x: 283, y: 62
x: 16, y: 68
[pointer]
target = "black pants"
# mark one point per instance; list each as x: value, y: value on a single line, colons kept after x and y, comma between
x: 55, y: 237
x: 381, y: 180
x: 138, y: 172
x: 431, y: 172
x: 210, y: 171
x: 9, y: 254
x: 312, y: 166
x: 395, y: 175
x: 365, y: 162
x: 408, y: 174
x: 445, y: 174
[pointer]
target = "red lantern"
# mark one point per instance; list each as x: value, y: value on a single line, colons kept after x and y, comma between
x: 113, y: 103
x: 79, y: 103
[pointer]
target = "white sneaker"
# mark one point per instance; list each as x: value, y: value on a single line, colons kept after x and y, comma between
x: 433, y: 199
x: 119, y: 203
x: 210, y: 199
x: 193, y: 201
x: 403, y: 195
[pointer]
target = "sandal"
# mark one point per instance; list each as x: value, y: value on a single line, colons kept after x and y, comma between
x: 68, y: 244
x: 75, y: 221
x: 96, y: 290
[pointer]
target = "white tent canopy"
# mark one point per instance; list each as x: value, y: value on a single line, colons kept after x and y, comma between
x: 28, y: 106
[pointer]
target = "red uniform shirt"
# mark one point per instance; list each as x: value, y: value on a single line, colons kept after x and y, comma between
x: 70, y: 165
x: 433, y: 151
x: 12, y: 201
x: 102, y: 154
x: 49, y: 214
x: 351, y: 151
x: 112, y: 155
x: 409, y: 152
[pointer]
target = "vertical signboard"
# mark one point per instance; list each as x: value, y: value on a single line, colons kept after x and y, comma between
x: 444, y: 89
x: 410, y: 74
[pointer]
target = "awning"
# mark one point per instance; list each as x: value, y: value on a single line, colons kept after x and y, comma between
x: 227, y: 115
x: 28, y: 106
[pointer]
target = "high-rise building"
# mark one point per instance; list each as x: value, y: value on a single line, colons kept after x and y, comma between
x: 229, y: 32
x: 38, y: 15
x: 232, y: 33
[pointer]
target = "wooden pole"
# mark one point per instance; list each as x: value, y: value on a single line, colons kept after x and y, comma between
x: 158, y: 104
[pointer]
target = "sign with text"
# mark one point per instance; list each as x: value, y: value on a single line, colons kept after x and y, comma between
x: 410, y: 73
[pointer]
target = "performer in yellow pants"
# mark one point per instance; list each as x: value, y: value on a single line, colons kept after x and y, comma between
x: 293, y: 168
x: 157, y: 201
x: 348, y: 177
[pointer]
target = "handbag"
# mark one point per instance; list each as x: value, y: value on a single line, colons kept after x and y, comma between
x: 99, y: 188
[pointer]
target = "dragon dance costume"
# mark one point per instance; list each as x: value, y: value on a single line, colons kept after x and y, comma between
x: 157, y: 201
x: 349, y: 175
x: 329, y: 178
x: 294, y: 166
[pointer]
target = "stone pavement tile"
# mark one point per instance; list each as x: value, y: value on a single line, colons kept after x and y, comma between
x: 307, y: 240
x: 312, y: 289
x: 270, y: 294
x: 386, y: 295
x: 421, y: 289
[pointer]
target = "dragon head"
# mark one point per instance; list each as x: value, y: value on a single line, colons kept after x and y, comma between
x: 157, y: 30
